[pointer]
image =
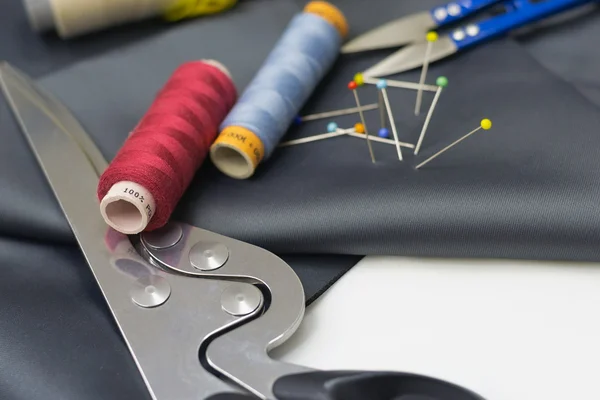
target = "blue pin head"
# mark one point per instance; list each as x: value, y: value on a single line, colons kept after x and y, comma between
x: 381, y: 84
x: 297, y: 120
x: 383, y: 133
x: 332, y: 127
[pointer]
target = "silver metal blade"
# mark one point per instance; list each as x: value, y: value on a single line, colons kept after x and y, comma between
x: 412, y: 57
x: 164, y: 337
x: 399, y: 32
x: 19, y: 88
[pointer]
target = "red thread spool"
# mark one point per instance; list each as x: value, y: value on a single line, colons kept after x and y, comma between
x: 141, y: 187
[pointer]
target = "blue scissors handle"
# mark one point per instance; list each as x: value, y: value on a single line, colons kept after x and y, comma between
x: 457, y: 10
x: 518, y: 13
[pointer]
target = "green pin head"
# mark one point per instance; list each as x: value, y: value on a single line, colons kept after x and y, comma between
x: 442, y: 81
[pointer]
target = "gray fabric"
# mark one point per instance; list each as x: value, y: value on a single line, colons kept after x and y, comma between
x: 527, y: 189
x: 27, y: 207
x: 515, y: 192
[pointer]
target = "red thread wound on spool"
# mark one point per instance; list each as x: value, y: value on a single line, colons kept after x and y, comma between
x: 169, y: 144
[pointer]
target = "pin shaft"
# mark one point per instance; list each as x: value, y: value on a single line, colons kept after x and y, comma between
x: 448, y: 147
x: 381, y: 140
x: 427, y: 119
x: 392, y: 123
x: 337, y: 113
x: 362, y: 119
x: 403, y: 85
x: 422, y: 79
x: 381, y: 110
x: 339, y: 132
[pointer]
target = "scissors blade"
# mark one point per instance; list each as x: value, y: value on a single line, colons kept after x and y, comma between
x: 411, y: 57
x: 25, y: 96
x: 399, y: 32
x: 166, y: 354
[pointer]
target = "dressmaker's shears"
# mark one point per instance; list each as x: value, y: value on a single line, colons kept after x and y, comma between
x: 198, y: 311
x: 410, y: 31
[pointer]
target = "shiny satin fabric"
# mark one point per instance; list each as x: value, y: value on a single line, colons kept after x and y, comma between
x: 526, y: 189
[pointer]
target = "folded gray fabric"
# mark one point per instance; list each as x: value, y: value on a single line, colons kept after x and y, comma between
x: 526, y: 189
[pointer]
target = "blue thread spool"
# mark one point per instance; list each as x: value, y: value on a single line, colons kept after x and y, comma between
x: 271, y: 102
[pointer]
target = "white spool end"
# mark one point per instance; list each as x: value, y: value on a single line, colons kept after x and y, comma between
x: 128, y: 207
x: 237, y: 151
x: 218, y: 65
x: 232, y: 161
x: 39, y: 13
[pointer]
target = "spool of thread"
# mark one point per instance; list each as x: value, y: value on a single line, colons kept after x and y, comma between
x: 270, y: 103
x: 71, y: 18
x: 141, y: 187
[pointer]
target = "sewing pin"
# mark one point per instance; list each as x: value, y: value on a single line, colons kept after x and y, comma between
x: 431, y: 37
x: 403, y: 85
x: 332, y: 131
x: 352, y: 86
x: 360, y: 80
x: 381, y: 85
x: 486, y: 124
x: 442, y: 82
x: 334, y: 113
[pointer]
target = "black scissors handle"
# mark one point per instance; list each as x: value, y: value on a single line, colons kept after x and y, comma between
x: 361, y: 385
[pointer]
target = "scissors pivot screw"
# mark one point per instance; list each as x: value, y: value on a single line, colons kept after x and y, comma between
x: 150, y: 291
x: 240, y: 299
x: 208, y: 256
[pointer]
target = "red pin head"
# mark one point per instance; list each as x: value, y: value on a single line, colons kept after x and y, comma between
x: 352, y: 85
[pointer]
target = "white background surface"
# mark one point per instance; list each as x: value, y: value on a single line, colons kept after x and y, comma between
x: 508, y: 330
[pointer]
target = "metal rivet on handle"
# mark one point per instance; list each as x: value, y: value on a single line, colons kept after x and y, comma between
x: 207, y: 256
x: 472, y: 30
x: 241, y: 299
x: 440, y: 14
x: 458, y: 34
x: 150, y: 291
x: 163, y: 238
x: 453, y: 9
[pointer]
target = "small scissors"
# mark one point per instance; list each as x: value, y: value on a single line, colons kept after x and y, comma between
x: 412, y: 29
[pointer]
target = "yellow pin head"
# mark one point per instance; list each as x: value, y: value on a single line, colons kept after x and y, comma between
x: 431, y: 36
x: 359, y: 79
x: 486, y: 124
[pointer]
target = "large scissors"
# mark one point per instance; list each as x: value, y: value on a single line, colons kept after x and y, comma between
x: 410, y: 30
x: 199, y: 311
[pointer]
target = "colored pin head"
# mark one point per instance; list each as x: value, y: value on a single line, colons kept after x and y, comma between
x: 359, y: 128
x: 332, y: 127
x: 431, y: 36
x: 442, y: 81
x: 297, y: 120
x: 352, y: 85
x: 383, y: 133
x: 381, y: 84
x: 359, y: 79
x: 486, y: 124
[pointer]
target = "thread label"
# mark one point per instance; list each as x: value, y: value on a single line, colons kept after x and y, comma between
x: 183, y: 9
x: 135, y: 194
x: 125, y: 219
x: 243, y: 140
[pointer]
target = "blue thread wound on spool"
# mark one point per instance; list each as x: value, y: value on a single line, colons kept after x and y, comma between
x: 291, y: 72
